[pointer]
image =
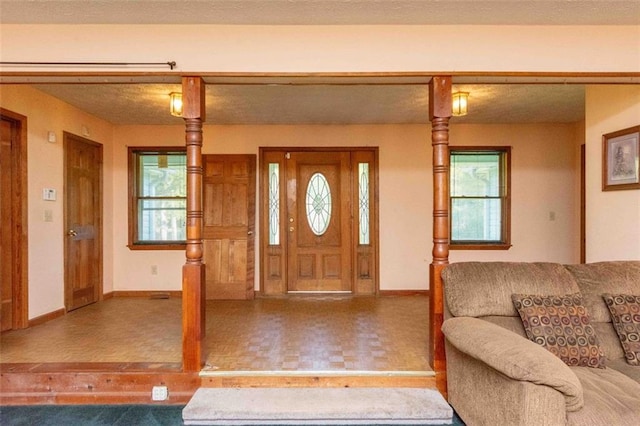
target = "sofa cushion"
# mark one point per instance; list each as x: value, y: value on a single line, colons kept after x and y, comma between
x: 477, y: 289
x: 621, y: 366
x: 610, y: 398
x: 561, y: 324
x: 625, y: 313
x: 596, y: 279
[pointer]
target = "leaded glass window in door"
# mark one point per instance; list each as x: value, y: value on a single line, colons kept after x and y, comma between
x: 318, y: 201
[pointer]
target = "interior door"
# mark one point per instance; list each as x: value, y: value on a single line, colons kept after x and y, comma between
x: 228, y: 225
x: 6, y: 226
x: 318, y: 222
x: 83, y: 221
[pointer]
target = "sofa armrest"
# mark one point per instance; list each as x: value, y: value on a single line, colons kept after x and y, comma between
x: 514, y: 356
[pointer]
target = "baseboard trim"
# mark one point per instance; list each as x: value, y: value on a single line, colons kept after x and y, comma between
x: 391, y: 293
x: 149, y: 294
x: 46, y: 317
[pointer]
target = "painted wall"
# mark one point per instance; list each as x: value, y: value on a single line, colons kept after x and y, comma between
x: 45, y: 170
x: 331, y: 48
x: 543, y: 154
x: 544, y: 184
x: 613, y: 217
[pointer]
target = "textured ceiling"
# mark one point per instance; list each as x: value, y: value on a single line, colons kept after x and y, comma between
x: 322, y: 12
x: 325, y: 103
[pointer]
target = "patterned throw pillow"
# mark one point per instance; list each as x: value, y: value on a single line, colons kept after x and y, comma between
x: 561, y: 324
x: 625, y: 313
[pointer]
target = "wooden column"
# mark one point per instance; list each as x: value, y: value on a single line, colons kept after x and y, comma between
x: 193, y: 272
x: 439, y: 114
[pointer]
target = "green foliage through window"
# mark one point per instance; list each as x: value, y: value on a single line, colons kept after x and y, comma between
x: 479, y: 198
x: 160, y: 196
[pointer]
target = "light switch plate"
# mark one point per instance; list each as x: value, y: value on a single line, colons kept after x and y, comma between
x: 48, y: 194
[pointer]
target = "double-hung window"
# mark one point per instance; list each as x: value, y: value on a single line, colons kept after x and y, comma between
x: 480, y: 198
x: 157, y: 197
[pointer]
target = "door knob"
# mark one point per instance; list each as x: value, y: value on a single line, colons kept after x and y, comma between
x: 72, y: 233
x: 250, y: 233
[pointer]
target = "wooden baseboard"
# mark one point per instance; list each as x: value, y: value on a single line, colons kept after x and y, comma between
x: 388, y: 293
x: 149, y: 294
x: 95, y: 387
x: 46, y: 317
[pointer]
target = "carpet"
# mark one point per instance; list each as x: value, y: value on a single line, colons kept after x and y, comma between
x: 99, y: 415
x: 317, y: 406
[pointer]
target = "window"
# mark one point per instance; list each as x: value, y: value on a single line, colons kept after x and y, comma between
x: 157, y: 198
x: 480, y: 198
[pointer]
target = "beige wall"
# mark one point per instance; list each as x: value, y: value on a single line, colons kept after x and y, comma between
x: 332, y: 48
x: 613, y: 217
x: 544, y: 174
x: 45, y: 170
x: 542, y: 154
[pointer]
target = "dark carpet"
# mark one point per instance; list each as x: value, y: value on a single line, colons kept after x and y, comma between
x: 98, y: 415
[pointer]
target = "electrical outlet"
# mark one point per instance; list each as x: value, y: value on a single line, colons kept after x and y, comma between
x: 154, y: 269
x: 159, y: 393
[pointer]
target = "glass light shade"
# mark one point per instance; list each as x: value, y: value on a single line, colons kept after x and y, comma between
x: 175, y: 105
x: 460, y: 103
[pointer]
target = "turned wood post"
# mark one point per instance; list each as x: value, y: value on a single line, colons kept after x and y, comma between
x: 439, y: 114
x: 193, y: 272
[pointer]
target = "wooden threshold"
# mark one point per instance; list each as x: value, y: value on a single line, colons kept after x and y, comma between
x: 242, y: 379
x: 94, y: 383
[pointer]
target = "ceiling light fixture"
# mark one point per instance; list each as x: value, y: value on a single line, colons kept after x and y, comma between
x: 175, y: 104
x: 460, y: 103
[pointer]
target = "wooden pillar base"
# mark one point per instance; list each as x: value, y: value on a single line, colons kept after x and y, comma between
x: 193, y: 316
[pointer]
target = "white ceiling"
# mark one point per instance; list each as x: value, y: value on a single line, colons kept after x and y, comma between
x: 320, y: 100
x: 322, y: 12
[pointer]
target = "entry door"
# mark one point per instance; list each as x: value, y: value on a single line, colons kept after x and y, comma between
x: 6, y: 225
x: 83, y: 221
x: 229, y: 222
x: 318, y: 222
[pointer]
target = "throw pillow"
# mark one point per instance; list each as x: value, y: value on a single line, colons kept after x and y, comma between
x: 625, y: 313
x: 561, y: 324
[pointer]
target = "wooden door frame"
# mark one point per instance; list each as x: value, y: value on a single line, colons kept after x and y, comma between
x: 358, y: 251
x: 19, y: 212
x: 97, y: 215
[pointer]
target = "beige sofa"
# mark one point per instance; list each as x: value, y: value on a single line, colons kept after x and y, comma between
x: 496, y: 376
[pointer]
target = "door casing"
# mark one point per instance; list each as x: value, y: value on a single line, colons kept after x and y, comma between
x: 274, y: 275
x: 17, y: 197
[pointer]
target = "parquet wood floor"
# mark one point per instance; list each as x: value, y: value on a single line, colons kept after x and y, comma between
x: 311, y: 333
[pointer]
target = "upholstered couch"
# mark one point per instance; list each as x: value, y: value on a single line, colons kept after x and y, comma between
x: 497, y: 376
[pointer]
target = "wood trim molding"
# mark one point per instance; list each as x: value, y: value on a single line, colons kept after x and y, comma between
x: 403, y: 293
x: 47, y: 317
x: 20, y: 214
x: 100, y: 383
x: 149, y: 294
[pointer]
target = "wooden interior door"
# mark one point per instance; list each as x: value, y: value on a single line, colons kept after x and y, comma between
x: 318, y: 223
x: 229, y: 187
x: 6, y: 226
x: 83, y: 221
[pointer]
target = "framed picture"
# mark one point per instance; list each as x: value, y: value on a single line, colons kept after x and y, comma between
x: 620, y: 159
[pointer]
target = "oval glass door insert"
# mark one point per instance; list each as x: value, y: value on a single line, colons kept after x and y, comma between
x: 318, y: 204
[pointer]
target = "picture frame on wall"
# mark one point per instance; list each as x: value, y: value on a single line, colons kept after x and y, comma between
x: 621, y: 159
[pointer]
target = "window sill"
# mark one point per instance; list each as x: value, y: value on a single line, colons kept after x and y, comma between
x: 173, y: 246
x: 479, y: 246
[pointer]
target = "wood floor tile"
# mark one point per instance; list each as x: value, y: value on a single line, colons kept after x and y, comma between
x: 315, y: 333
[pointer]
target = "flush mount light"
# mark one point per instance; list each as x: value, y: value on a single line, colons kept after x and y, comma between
x: 175, y: 105
x: 460, y: 103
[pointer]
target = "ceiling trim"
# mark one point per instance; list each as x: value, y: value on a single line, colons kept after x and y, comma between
x: 319, y: 78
